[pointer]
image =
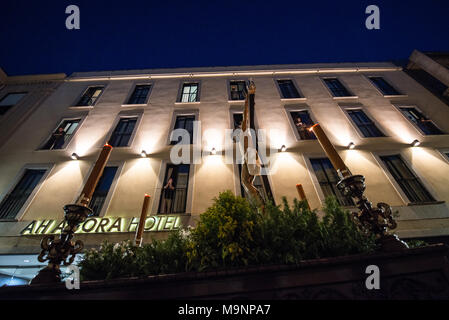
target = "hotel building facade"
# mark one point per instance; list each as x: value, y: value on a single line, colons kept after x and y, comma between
x: 384, y: 124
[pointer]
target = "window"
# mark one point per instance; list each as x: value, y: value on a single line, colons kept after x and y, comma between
x: 102, y: 189
x: 237, y: 90
x: 189, y: 92
x: 328, y: 178
x: 10, y: 100
x: 337, y: 89
x: 140, y: 94
x: 383, y: 86
x: 365, y: 125
x: 14, y: 201
x: 122, y: 132
x: 90, y: 96
x: 62, y: 135
x: 424, y: 124
x: 407, y: 180
x: 288, y: 89
x: 174, y: 189
x: 261, y: 183
x: 303, y: 122
x: 184, y: 122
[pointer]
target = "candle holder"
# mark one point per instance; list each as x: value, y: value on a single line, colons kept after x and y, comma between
x: 61, y: 250
x: 376, y: 220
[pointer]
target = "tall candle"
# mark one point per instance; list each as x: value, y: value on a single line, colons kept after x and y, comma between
x: 302, y: 195
x: 95, y: 175
x: 143, y: 217
x: 332, y: 154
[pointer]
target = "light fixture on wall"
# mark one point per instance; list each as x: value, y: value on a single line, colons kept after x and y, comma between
x: 283, y: 148
x: 74, y: 156
x: 143, y: 154
x: 415, y: 143
x: 213, y: 151
x: 351, y: 145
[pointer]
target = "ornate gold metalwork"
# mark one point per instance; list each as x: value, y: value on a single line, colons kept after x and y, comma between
x: 376, y: 220
x: 61, y: 250
x: 251, y: 166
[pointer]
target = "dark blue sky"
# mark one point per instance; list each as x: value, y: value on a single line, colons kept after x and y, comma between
x: 133, y: 34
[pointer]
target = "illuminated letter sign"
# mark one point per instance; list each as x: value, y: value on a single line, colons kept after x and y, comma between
x: 105, y: 225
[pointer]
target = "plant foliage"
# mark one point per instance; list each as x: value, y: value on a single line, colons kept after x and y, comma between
x: 233, y: 232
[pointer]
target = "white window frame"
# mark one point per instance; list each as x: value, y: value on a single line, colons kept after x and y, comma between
x: 443, y: 152
x: 159, y: 185
x: 312, y: 174
x: 107, y: 201
x: 131, y: 91
x: 74, y: 105
x: 297, y: 108
x: 39, y: 166
x: 396, y: 185
x: 421, y: 133
x: 295, y: 84
x: 346, y: 107
x: 125, y: 114
x: 181, y: 86
x: 81, y: 116
x: 181, y: 112
x: 399, y: 95
x: 228, y: 86
x: 352, y: 95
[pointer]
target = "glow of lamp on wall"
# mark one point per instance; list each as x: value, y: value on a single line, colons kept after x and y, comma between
x: 213, y: 151
x: 415, y: 143
x: 143, y: 154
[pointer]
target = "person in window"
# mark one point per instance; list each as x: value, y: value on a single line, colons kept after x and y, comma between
x: 56, y: 140
x: 169, y: 193
x: 302, y: 128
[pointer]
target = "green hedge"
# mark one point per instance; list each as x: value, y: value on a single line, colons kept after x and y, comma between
x: 231, y: 233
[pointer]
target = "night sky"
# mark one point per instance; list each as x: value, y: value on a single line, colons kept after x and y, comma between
x: 131, y: 34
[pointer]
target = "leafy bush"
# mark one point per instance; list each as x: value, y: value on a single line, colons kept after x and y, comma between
x: 233, y: 232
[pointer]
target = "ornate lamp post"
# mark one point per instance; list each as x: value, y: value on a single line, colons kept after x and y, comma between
x: 63, y: 250
x: 377, y: 220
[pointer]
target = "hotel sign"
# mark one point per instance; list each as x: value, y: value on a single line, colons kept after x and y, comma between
x: 105, y: 225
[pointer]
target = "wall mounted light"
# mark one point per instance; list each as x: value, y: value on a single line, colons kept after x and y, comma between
x: 415, y: 143
x: 283, y: 148
x: 213, y: 151
x: 143, y: 154
x: 351, y: 145
x: 74, y: 156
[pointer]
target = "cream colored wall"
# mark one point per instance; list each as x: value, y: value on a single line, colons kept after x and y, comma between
x: 140, y: 176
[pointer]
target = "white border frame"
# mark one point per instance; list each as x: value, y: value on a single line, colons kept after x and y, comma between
x: 228, y: 86
x: 396, y: 185
x: 160, y: 181
x: 107, y: 200
x: 321, y: 197
x: 82, y: 116
x: 295, y: 84
x: 74, y: 105
x: 131, y: 91
x: 181, y: 86
x: 442, y: 152
x: 388, y: 96
x: 297, y: 108
x: 398, y: 107
x: 46, y: 166
x: 181, y: 112
x: 125, y: 114
x: 343, y: 83
x: 346, y: 107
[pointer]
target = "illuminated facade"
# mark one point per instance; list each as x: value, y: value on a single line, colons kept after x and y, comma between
x: 398, y: 130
